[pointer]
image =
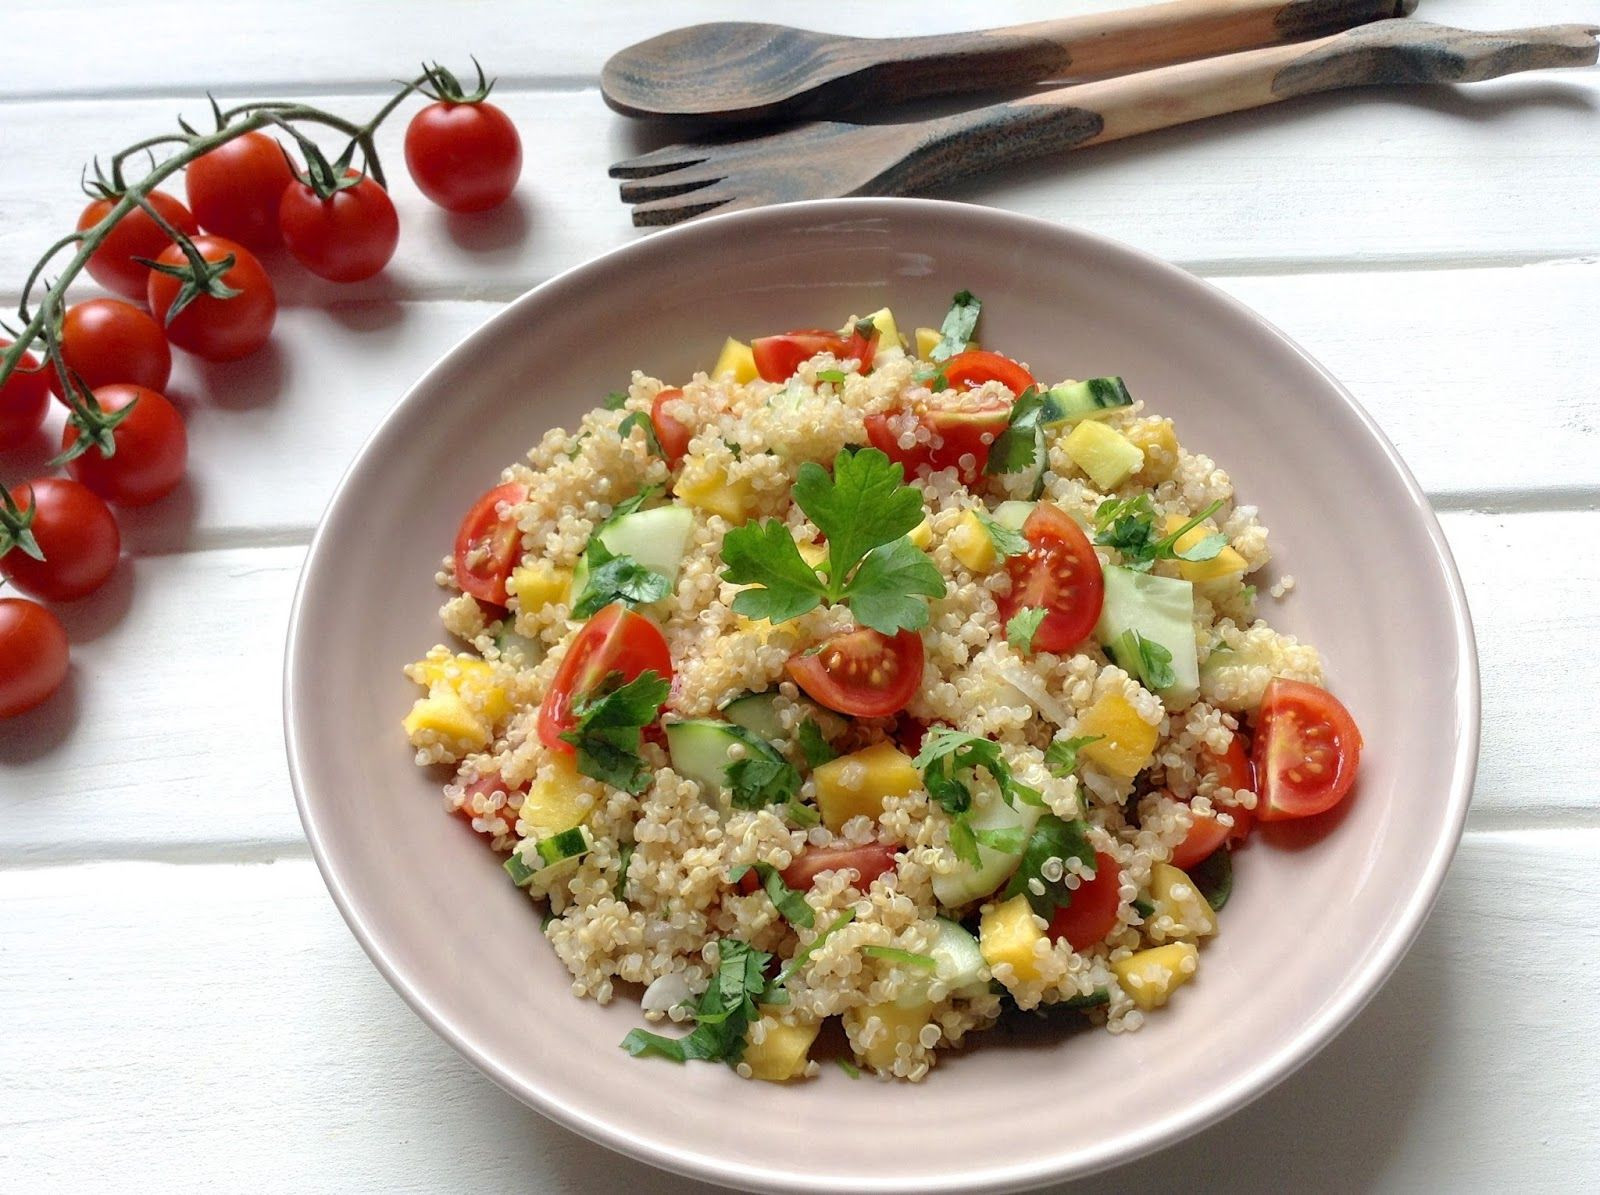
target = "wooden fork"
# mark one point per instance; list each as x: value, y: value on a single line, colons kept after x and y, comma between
x: 830, y: 158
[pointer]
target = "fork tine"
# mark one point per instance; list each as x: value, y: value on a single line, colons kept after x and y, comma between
x: 673, y: 209
x: 676, y: 182
x: 659, y: 161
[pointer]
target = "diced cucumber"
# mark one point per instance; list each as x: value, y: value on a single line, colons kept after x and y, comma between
x: 966, y: 883
x: 657, y: 538
x: 699, y: 750
x: 1161, y: 609
x: 961, y: 965
x: 1012, y: 515
x: 517, y: 649
x: 1072, y: 401
x: 757, y: 713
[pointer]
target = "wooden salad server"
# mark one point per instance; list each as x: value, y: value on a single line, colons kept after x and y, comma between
x: 829, y: 158
x: 741, y: 71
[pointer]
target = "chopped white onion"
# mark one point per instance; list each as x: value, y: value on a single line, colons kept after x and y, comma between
x: 1032, y: 689
x: 665, y: 993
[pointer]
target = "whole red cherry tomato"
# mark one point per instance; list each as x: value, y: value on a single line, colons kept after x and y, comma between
x: 234, y: 190
x: 104, y: 341
x: 33, y: 655
x: 152, y: 448
x: 76, y: 532
x: 209, y: 327
x: 346, y: 237
x: 464, y: 156
x: 23, y: 399
x: 137, y: 234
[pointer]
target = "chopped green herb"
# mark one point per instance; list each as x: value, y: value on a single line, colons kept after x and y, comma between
x: 802, y: 814
x: 1007, y: 841
x: 614, y: 578
x: 616, y: 400
x: 546, y: 921
x: 960, y: 322
x: 1093, y: 1000
x: 1129, y: 526
x: 760, y: 780
x: 785, y: 899
x: 628, y: 505
x: 831, y: 375
x: 1022, y: 626
x: 813, y: 747
x: 558, y: 848
x: 609, y: 719
x: 963, y: 841
x: 1052, y: 838
x: 1006, y: 541
x: 722, y: 1014
x: 624, y: 861
x: 865, y: 511
x: 947, y: 753
x: 1146, y: 658
x: 1144, y: 908
x: 1214, y: 878
x: 1061, y: 757
x: 848, y: 1067
x: 1017, y: 448
x: 906, y: 958
x: 775, y: 993
x: 642, y: 421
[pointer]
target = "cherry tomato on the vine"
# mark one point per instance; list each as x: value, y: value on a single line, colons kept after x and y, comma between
x: 33, y: 655
x: 209, y: 327
x: 346, y: 237
x: 76, y: 532
x: 234, y: 190
x: 112, y: 265
x: 464, y: 156
x: 104, y: 341
x: 152, y: 448
x: 24, y: 396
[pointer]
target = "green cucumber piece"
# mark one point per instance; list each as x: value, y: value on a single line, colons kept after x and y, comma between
x: 518, y: 649
x: 698, y: 748
x: 657, y: 538
x: 961, y: 965
x: 1161, y: 609
x: 757, y: 713
x: 967, y: 883
x: 1072, y: 401
x: 1012, y: 515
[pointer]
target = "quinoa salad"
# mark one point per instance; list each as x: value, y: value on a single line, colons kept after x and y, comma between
x: 870, y: 679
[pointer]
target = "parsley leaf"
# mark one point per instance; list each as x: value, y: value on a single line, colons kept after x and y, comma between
x: 1061, y: 757
x: 905, y: 958
x: 947, y: 753
x: 848, y: 1067
x: 628, y: 505
x: 831, y: 375
x: 609, y: 719
x: 1149, y: 660
x: 624, y: 861
x: 640, y: 420
x: 1022, y: 626
x: 613, y: 578
x: 1006, y: 541
x: 1129, y: 526
x: 761, y: 780
x: 1017, y: 448
x: 1009, y: 840
x: 784, y: 898
x: 775, y: 992
x: 865, y: 511
x: 802, y: 814
x: 1214, y: 878
x: 616, y: 400
x: 964, y: 842
x: 960, y: 322
x: 813, y: 747
x: 1051, y: 838
x: 722, y: 1014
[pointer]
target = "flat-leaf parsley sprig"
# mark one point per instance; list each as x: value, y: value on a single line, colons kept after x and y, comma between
x: 866, y: 510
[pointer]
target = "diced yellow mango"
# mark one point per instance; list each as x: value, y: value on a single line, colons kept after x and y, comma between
x: 900, y: 1025
x: 971, y: 545
x: 713, y: 493
x: 1127, y: 743
x: 888, y: 331
x: 1159, y: 443
x: 1225, y: 564
x: 857, y: 784
x: 927, y: 338
x: 813, y: 554
x: 556, y: 801
x: 1007, y: 933
x: 1150, y: 976
x: 538, y: 585
x: 1105, y: 454
x: 781, y: 1052
x: 442, y: 717
x: 468, y: 677
x: 736, y: 362
x: 1174, y: 895
x: 921, y: 536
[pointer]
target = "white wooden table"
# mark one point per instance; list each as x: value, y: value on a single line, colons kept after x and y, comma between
x: 182, y: 1007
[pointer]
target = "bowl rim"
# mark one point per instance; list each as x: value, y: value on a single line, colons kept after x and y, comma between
x: 1226, y: 1099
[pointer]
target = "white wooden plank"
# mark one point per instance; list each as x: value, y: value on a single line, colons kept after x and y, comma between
x: 1327, y: 180
x: 1486, y: 379
x: 169, y: 741
x: 178, y: 1027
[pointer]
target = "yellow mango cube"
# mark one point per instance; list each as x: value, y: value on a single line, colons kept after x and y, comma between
x: 1105, y: 454
x: 781, y: 1052
x: 888, y: 331
x: 856, y: 784
x: 1174, y: 895
x: 921, y: 536
x: 927, y: 338
x: 538, y: 585
x: 900, y: 1026
x: 812, y: 553
x: 971, y: 545
x: 556, y: 801
x: 1159, y: 442
x: 735, y: 362
x: 1225, y: 564
x: 1007, y: 933
x: 1150, y: 976
x: 444, y: 718
x: 1127, y: 743
x: 713, y: 493
x: 468, y: 677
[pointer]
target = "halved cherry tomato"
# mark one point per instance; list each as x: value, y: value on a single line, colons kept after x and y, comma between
x: 868, y: 862
x: 908, y: 734
x: 1206, y: 833
x: 673, y: 434
x: 105, y: 341
x: 488, y: 544
x: 968, y: 370
x: 1092, y: 913
x: 615, y: 640
x: 135, y: 235
x: 1307, y: 751
x: 861, y: 672
x: 1059, y: 573
x: 778, y: 357
x: 958, y: 437
x: 481, y: 787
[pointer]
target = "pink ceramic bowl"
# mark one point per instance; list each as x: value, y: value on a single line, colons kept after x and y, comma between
x: 1309, y: 935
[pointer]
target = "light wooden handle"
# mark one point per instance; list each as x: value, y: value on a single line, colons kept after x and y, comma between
x: 1385, y: 53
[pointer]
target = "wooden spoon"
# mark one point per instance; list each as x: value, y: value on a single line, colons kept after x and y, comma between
x: 741, y: 71
x: 831, y: 158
